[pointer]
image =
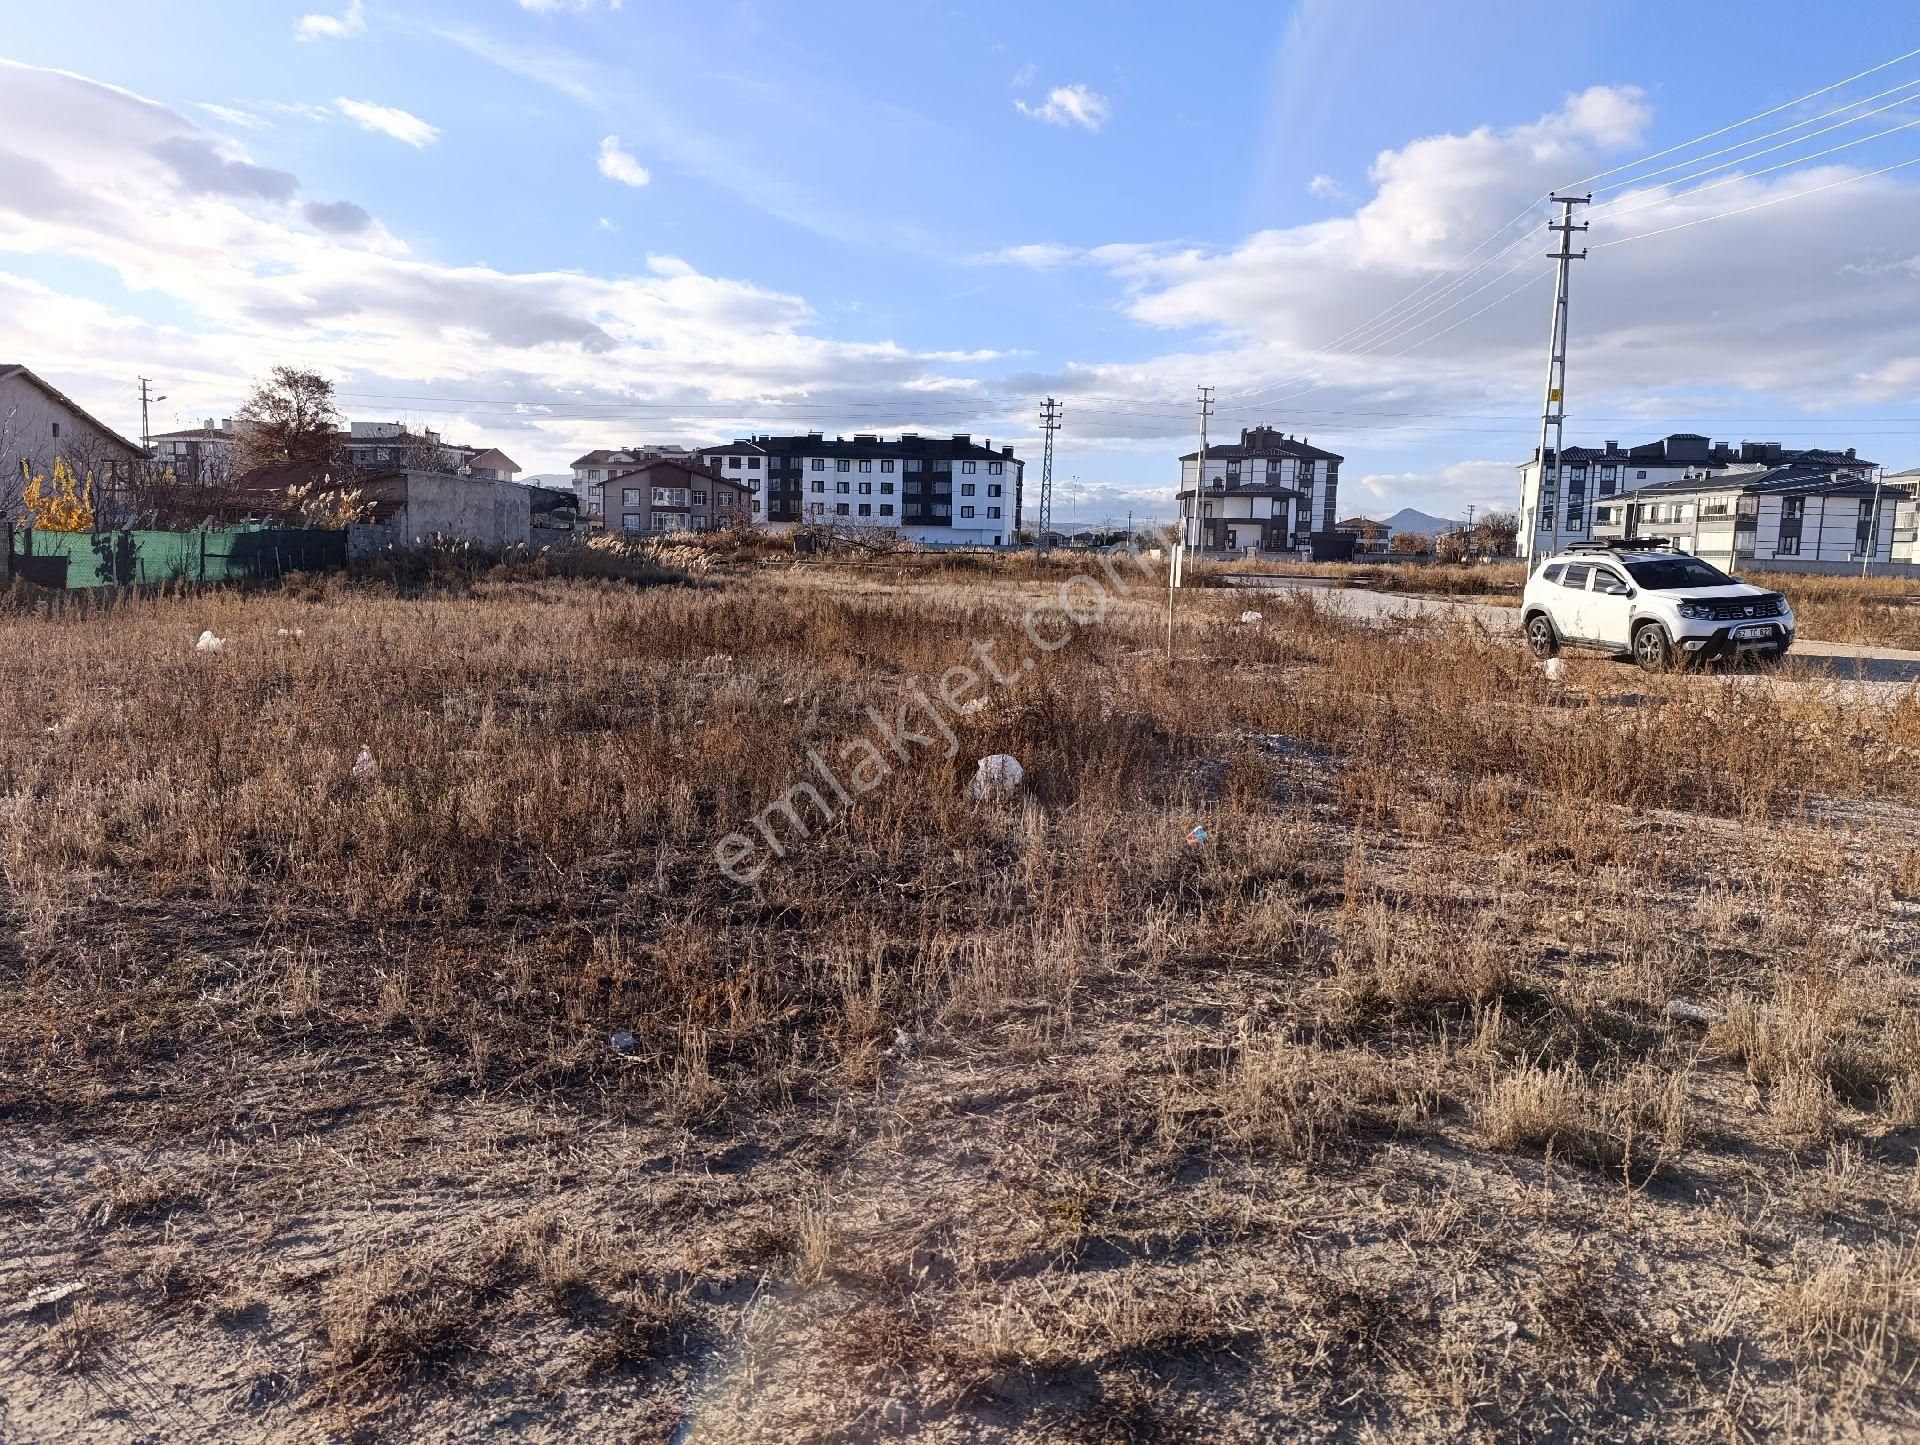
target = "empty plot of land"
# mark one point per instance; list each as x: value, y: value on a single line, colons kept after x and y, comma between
x: 1496, y: 1059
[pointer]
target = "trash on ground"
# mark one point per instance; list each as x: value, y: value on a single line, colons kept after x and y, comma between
x: 209, y: 643
x: 50, y: 1294
x: 620, y: 1041
x: 1249, y: 616
x: 1199, y: 837
x: 1555, y: 669
x: 998, y: 776
x: 364, y: 766
x: 1681, y: 1011
x: 291, y: 632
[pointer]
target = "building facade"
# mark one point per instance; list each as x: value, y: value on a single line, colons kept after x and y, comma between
x: 201, y: 456
x: 1587, y: 476
x: 667, y: 494
x: 1265, y: 493
x: 1798, y: 517
x: 39, y: 425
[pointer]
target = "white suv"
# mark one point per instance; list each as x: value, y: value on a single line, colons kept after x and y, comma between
x: 1660, y: 606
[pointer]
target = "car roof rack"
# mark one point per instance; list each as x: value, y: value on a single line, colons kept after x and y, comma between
x: 1622, y: 544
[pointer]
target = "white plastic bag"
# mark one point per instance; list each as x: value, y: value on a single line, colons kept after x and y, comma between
x: 209, y: 643
x: 998, y: 776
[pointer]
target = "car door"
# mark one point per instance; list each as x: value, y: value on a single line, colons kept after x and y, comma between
x: 1570, y: 605
x: 1608, y: 608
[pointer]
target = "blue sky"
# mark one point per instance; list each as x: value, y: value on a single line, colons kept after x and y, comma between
x: 866, y: 215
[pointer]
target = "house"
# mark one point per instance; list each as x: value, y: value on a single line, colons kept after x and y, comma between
x: 670, y: 494
x: 1370, y: 537
x: 594, y: 468
x: 1592, y: 474
x: 201, y: 456
x: 39, y: 425
x: 1906, y: 516
x: 941, y: 491
x: 372, y: 445
x: 1794, y: 517
x: 1265, y: 493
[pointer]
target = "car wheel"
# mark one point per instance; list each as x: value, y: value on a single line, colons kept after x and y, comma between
x: 1650, y: 647
x: 1541, y: 637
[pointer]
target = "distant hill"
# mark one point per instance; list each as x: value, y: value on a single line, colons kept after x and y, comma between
x: 1409, y: 520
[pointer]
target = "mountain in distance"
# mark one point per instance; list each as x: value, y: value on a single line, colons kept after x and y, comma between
x: 1407, y: 519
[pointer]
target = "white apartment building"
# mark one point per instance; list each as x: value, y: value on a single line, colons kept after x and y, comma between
x: 1793, y: 518
x: 1588, y: 476
x: 1265, y: 493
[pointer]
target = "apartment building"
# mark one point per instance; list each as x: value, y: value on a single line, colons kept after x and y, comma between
x: 940, y: 491
x: 1797, y: 517
x: 1580, y: 478
x: 1267, y: 492
x: 670, y: 494
x: 595, y: 467
x: 200, y: 456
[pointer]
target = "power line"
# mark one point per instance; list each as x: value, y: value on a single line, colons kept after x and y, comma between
x: 1760, y: 205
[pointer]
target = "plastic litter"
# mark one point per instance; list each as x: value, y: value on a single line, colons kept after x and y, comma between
x: 50, y: 1294
x: 364, y: 766
x: 1249, y: 616
x: 620, y: 1041
x: 1680, y: 1011
x: 1555, y: 670
x: 209, y: 643
x: 1199, y: 837
x: 902, y: 1043
x: 291, y: 632
x: 998, y: 776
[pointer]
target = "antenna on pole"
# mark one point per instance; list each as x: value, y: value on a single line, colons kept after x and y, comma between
x: 1553, y: 414
x: 1049, y: 424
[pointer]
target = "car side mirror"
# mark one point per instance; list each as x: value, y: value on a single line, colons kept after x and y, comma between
x: 1630, y: 594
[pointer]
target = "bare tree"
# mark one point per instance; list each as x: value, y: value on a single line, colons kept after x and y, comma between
x: 290, y: 417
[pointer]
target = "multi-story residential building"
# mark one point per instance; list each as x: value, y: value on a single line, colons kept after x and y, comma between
x: 1265, y: 493
x: 941, y: 491
x: 200, y: 456
x: 594, y: 468
x: 1795, y: 517
x: 1906, y: 515
x: 39, y: 426
x: 671, y: 494
x: 368, y: 445
x: 1587, y: 476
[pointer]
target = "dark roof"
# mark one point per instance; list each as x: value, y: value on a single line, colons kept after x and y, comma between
x: 1795, y: 478
x: 1264, y: 441
x: 693, y: 470
x: 602, y: 456
x: 195, y: 434
x: 483, y: 453
x: 959, y: 446
x: 1246, y: 489
x: 1693, y: 450
x: 12, y: 369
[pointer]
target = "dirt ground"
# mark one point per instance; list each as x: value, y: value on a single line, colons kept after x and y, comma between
x: 1506, y: 1061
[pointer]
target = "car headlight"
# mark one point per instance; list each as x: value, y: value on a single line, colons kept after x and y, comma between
x: 1695, y: 610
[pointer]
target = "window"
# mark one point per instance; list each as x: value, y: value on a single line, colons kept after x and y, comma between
x: 593, y: 507
x: 1793, y: 507
x: 1609, y: 583
x: 816, y: 508
x: 670, y: 496
x: 843, y: 487
x: 840, y: 509
x: 1674, y: 572
x: 966, y: 511
x: 1552, y: 574
x: 756, y: 504
x: 966, y: 489
x: 1306, y: 471
x: 942, y: 509
x: 753, y: 464
x: 993, y: 489
x: 913, y: 464
x: 886, y: 509
x: 1866, y: 507
x: 594, y: 475
x: 699, y: 499
x: 843, y: 465
x: 866, y: 509
x: 941, y: 464
x: 993, y: 511
x: 1575, y: 515
x: 630, y: 522
x: 967, y: 467
x: 1716, y: 507
x: 994, y: 469
x: 886, y: 466
x: 866, y: 489
x: 1602, y: 516
x: 725, y: 499
x: 1789, y: 542
x: 886, y: 489
x: 1607, y: 472
x: 819, y: 485
x: 630, y: 497
x: 1641, y: 475
x: 819, y: 464
x: 56, y: 429
x: 866, y: 466
x: 1576, y: 576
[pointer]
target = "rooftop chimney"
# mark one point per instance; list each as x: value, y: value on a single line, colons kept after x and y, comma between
x: 1612, y: 445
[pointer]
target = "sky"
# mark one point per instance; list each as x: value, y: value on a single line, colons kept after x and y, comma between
x: 555, y: 225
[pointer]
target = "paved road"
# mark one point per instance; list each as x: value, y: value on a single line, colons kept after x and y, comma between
x: 1868, y: 674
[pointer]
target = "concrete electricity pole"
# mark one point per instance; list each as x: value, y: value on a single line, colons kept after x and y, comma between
x: 1200, y: 471
x: 1049, y: 424
x: 1553, y: 416
x: 146, y: 435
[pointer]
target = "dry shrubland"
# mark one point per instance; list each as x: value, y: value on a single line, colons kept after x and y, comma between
x: 467, y: 1093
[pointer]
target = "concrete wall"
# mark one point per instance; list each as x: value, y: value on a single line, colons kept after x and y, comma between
x: 468, y: 509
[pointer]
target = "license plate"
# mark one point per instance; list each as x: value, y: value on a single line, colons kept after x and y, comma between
x: 1744, y: 633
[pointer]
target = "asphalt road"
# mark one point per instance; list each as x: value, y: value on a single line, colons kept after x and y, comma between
x: 1865, y: 674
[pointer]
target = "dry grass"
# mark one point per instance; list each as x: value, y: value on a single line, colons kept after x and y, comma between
x: 1027, y: 1117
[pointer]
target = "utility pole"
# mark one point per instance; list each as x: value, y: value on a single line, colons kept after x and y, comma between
x: 1873, y: 536
x: 1049, y: 423
x: 1554, y: 414
x: 1176, y: 555
x: 1200, y: 471
x: 1469, y: 538
x: 146, y: 434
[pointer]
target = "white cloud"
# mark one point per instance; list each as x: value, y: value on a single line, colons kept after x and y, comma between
x: 603, y: 224
x: 1326, y: 188
x: 1070, y: 105
x: 388, y: 120
x: 550, y: 7
x: 1024, y: 76
x: 233, y: 115
x: 1035, y: 256
x: 352, y: 22
x: 617, y: 165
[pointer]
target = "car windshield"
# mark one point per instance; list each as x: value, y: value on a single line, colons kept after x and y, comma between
x: 1664, y: 574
